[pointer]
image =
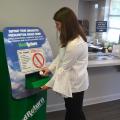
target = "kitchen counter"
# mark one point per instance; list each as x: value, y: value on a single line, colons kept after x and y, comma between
x: 101, y: 60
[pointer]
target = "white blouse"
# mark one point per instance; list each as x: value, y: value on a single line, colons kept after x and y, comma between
x: 70, y: 69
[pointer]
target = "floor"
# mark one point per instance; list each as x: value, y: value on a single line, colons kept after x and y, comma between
x: 102, y: 111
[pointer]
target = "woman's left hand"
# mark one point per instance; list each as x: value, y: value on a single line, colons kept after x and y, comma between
x: 45, y: 87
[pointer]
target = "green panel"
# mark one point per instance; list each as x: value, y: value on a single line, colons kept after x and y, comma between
x: 4, y: 83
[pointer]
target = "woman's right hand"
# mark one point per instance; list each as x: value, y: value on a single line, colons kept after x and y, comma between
x: 45, y: 71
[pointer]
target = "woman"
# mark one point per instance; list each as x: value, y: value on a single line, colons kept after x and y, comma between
x: 70, y: 77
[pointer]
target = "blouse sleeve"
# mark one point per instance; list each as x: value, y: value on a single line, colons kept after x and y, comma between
x: 53, y: 65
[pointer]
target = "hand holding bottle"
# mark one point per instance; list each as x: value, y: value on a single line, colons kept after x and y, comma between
x: 44, y: 71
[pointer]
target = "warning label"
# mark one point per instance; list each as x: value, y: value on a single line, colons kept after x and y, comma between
x: 38, y: 60
x: 31, y: 60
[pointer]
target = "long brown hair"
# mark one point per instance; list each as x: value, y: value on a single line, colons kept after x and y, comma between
x: 70, y: 28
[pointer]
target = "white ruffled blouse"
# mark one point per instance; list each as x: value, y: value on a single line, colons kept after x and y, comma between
x: 69, y: 69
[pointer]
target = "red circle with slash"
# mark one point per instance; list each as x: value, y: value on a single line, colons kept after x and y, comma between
x: 38, y: 60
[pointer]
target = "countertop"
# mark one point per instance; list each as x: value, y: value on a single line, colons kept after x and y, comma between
x: 101, y: 60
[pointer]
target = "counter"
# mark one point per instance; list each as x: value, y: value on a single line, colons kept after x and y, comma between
x: 97, y: 60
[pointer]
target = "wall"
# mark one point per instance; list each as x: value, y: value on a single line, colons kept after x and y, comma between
x: 87, y: 10
x: 34, y: 13
x: 83, y: 10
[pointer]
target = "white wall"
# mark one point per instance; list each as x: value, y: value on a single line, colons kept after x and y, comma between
x: 34, y: 13
x: 83, y: 10
x: 88, y: 11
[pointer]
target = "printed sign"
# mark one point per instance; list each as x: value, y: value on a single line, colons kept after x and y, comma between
x: 38, y: 60
x: 27, y: 49
x: 101, y: 26
x: 31, y: 60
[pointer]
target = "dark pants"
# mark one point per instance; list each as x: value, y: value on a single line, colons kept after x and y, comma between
x: 74, y: 110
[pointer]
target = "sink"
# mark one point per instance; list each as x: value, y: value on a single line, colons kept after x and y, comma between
x: 101, y: 57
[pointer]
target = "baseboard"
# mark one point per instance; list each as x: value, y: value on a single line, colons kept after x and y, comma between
x: 90, y: 101
x: 55, y: 107
x: 101, y: 99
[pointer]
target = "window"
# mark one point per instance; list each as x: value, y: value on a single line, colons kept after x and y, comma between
x: 114, y: 21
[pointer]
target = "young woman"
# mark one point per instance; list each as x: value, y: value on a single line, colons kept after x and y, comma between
x: 70, y: 77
